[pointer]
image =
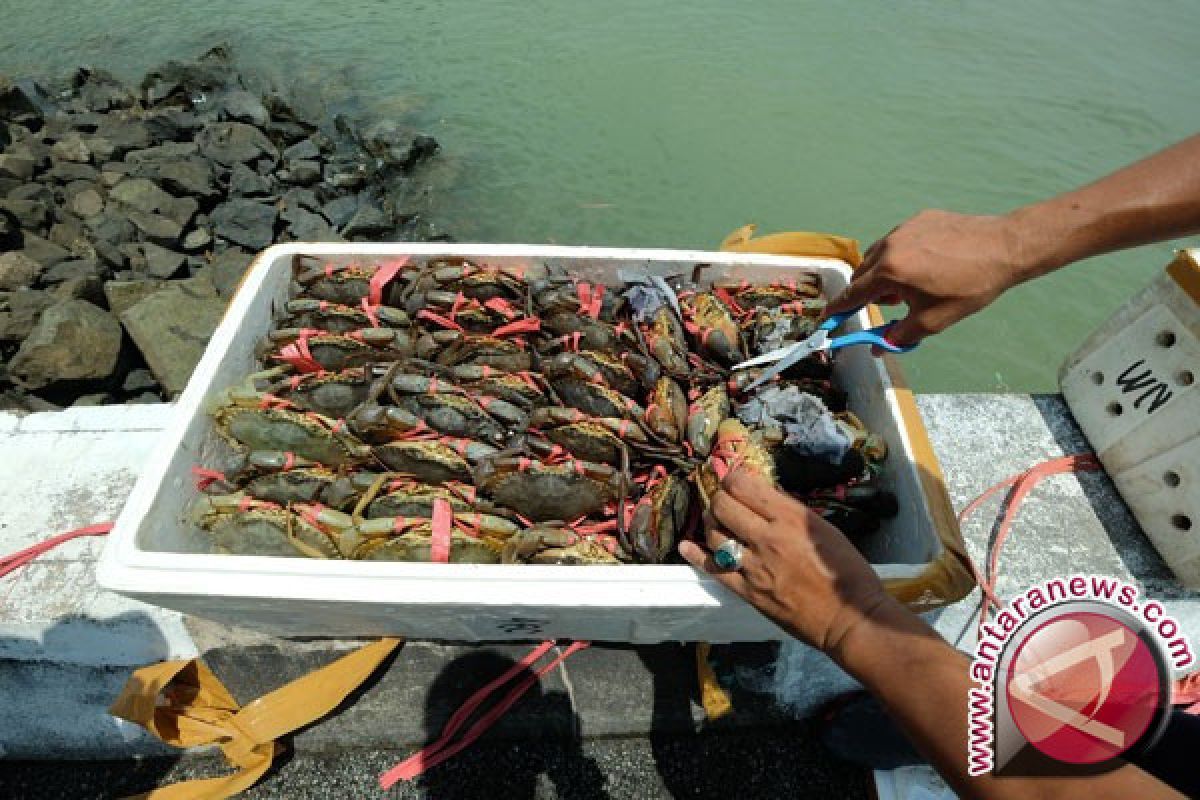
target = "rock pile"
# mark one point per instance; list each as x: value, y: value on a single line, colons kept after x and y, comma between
x: 128, y: 215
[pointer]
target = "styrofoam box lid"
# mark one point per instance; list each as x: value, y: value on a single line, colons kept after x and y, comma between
x: 156, y: 555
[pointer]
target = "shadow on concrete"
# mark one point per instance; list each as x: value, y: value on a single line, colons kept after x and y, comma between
x: 541, y: 714
x: 1131, y: 544
x: 54, y: 697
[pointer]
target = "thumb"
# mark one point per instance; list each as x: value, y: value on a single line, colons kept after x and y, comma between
x: 913, y: 328
x: 864, y: 288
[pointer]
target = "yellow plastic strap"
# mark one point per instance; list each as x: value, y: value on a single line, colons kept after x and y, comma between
x: 794, y: 243
x: 185, y: 705
x: 716, y: 701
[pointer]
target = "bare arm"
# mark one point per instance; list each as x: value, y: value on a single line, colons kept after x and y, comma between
x: 805, y: 575
x: 946, y: 266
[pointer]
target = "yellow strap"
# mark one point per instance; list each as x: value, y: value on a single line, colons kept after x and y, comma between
x: 716, y: 701
x: 795, y: 243
x: 185, y: 705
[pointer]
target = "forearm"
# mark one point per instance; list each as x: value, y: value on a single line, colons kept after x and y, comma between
x: 1155, y: 199
x: 924, y: 682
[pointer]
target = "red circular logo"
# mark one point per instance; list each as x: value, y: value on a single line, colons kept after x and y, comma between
x: 1083, y: 687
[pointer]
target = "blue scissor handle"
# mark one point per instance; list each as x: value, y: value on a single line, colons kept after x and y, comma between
x: 874, y: 336
x: 835, y: 320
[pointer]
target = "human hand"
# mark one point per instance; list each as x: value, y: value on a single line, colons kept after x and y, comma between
x: 945, y: 266
x: 798, y: 569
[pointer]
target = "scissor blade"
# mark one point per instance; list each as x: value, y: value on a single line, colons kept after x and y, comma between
x: 799, y: 351
x: 768, y: 358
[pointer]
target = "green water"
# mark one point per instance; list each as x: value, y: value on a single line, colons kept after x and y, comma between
x: 671, y: 123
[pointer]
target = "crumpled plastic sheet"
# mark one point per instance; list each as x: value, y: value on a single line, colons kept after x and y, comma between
x: 647, y: 294
x: 809, y: 426
x: 775, y: 334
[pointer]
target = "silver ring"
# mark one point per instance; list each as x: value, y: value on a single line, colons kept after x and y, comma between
x: 729, y: 555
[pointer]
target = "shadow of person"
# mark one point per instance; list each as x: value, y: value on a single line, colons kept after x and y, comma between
x: 540, y: 735
x: 55, y: 691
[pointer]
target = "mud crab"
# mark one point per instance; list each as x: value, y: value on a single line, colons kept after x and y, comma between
x: 542, y: 492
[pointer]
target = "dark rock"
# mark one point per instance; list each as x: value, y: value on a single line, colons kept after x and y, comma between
x: 22, y: 102
x: 72, y: 147
x: 33, y: 192
x: 67, y: 270
x: 340, y: 210
x: 172, y: 326
x: 125, y: 294
x: 245, y: 222
x: 285, y: 125
x: 86, y: 203
x: 306, y: 150
x: 144, y: 195
x: 139, y: 380
x: 109, y: 256
x: 101, y: 91
x: 196, y: 240
x: 190, y: 79
x: 227, y: 268
x: 156, y: 228
x: 16, y: 166
x: 185, y: 176
x: 44, y: 252
x: 102, y: 149
x: 11, y: 235
x: 124, y: 134
x: 159, y: 154
x: 231, y: 142
x: 347, y: 177
x: 72, y: 341
x: 110, y: 226
x: 154, y: 261
x: 302, y: 173
x: 306, y: 226
x: 18, y: 271
x: 173, y: 124
x: 71, y: 234
x: 422, y: 147
x: 95, y: 399
x: 24, y: 308
x: 145, y: 398
x: 81, y: 287
x: 32, y: 214
x: 300, y: 198
x: 245, y: 182
x: 5, y: 137
x: 369, y: 220
x: 22, y: 403
x: 241, y: 106
x: 68, y: 171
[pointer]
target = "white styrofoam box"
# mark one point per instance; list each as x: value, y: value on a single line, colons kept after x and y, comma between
x: 1132, y: 387
x: 156, y: 555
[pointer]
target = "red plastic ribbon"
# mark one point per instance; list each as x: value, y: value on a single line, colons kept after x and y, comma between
x: 442, y: 522
x: 14, y: 561
x: 442, y: 749
x: 382, y: 277
x: 298, y: 355
x: 527, y: 325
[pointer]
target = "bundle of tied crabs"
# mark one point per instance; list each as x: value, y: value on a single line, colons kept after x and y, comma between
x: 455, y: 411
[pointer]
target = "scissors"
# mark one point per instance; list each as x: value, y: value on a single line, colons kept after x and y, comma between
x: 821, y: 339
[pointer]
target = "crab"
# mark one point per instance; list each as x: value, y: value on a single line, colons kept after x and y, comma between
x: 542, y: 492
x: 606, y: 440
x: 312, y: 350
x: 664, y: 339
x: 480, y: 282
x: 456, y: 311
x: 450, y: 409
x: 240, y: 524
x: 735, y: 448
x: 713, y: 328
x: 254, y: 421
x: 353, y: 283
x: 283, y: 478
x: 660, y: 517
x: 524, y: 389
x: 309, y: 312
x: 561, y: 294
x: 433, y: 460
x: 871, y: 445
x: 596, y: 400
x: 452, y: 348
x: 615, y: 372
x: 334, y: 394
x: 573, y: 332
x: 551, y: 544
x: 667, y: 410
x: 705, y: 415
x: 398, y: 495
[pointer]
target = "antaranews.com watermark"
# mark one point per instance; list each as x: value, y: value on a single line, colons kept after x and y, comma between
x: 1089, y: 618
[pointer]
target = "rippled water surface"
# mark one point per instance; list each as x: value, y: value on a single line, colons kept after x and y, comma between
x: 671, y: 123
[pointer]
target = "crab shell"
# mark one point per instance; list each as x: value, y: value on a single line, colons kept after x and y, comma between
x: 594, y: 366
x: 310, y: 436
x: 601, y: 439
x: 872, y: 445
x: 543, y: 492
x: 347, y: 285
x: 481, y: 282
x: 773, y: 295
x: 453, y: 348
x: 428, y: 461
x: 596, y: 400
x: 563, y: 295
x: 659, y: 518
x: 735, y: 448
x: 484, y: 410
x: 666, y: 412
x: 417, y: 545
x: 254, y: 528
x: 718, y: 333
x: 594, y: 334
x: 334, y: 394
x: 705, y: 416
x: 416, y: 499
x: 308, y: 312
x: 338, y: 351
x: 551, y: 545
x: 525, y: 390
x: 664, y: 337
